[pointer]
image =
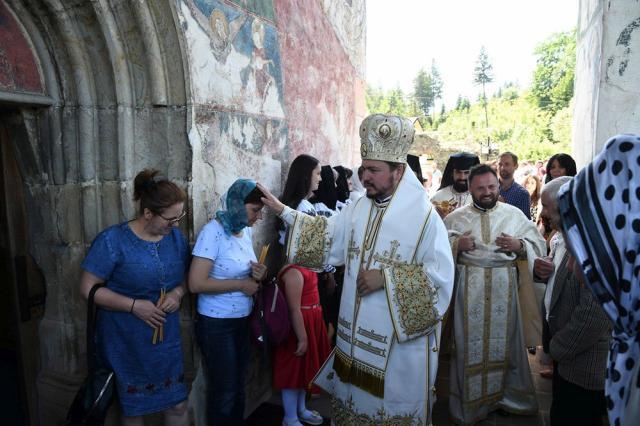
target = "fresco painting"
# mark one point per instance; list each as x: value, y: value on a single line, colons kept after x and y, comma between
x: 238, y: 60
x: 323, y: 90
x: 19, y: 68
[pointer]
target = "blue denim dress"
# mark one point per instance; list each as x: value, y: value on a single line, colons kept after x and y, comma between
x: 149, y: 378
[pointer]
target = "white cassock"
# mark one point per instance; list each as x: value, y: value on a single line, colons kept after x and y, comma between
x: 449, y: 194
x: 490, y: 368
x: 384, y: 365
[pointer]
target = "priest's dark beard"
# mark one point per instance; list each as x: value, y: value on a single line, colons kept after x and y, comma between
x: 460, y: 186
x: 486, y: 204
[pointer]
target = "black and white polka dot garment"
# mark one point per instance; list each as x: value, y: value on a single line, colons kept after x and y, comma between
x: 600, y: 211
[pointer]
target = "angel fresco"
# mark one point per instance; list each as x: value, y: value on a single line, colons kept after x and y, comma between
x: 223, y: 33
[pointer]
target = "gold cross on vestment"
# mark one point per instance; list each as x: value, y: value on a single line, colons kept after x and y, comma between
x: 353, y: 251
x: 389, y: 257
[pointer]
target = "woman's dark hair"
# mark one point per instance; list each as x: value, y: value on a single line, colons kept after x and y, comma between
x: 155, y: 192
x: 326, y: 192
x: 535, y: 197
x: 254, y: 197
x: 565, y: 161
x: 298, y: 183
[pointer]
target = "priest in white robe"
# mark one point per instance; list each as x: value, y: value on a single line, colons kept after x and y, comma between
x: 489, y: 368
x: 397, y: 285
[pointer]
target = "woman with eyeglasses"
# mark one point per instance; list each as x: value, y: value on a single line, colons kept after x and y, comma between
x: 142, y: 263
x: 225, y: 273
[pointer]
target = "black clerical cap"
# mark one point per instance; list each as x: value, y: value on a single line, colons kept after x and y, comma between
x: 459, y: 161
x: 414, y: 162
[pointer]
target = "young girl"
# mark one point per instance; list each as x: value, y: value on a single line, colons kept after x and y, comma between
x: 299, y: 358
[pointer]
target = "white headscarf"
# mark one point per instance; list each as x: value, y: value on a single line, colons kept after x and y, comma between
x: 358, y: 190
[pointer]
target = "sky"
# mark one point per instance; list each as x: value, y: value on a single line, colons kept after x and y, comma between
x: 406, y: 35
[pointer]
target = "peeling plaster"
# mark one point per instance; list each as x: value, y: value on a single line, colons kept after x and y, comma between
x: 247, y: 77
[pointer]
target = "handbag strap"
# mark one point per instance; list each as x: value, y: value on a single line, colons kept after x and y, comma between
x: 91, y: 326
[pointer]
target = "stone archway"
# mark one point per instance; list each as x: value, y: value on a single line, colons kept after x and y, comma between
x: 113, y: 101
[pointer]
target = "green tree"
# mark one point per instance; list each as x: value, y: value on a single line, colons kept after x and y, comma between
x: 394, y: 101
x: 483, y: 75
x: 423, y: 91
x: 465, y: 104
x: 398, y: 103
x: 458, y: 106
x: 552, y: 85
x: 518, y: 125
x: 560, y: 125
x: 376, y: 100
x: 436, y: 82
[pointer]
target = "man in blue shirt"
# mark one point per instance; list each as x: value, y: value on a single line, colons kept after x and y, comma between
x: 511, y: 192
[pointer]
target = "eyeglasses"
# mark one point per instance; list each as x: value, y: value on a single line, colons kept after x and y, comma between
x: 173, y: 220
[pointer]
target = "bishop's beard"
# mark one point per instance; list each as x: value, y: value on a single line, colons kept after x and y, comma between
x: 460, y: 186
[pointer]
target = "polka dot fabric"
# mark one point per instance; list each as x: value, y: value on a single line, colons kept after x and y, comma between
x: 600, y: 210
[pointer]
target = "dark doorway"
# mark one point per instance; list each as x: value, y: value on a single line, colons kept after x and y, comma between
x: 22, y: 288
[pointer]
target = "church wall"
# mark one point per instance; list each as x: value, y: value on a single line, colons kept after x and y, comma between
x: 127, y: 85
x: 19, y: 68
x: 324, y: 84
x: 607, y: 74
x: 270, y: 80
x: 112, y: 101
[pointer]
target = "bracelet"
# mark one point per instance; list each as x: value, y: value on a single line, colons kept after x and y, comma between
x: 132, y: 304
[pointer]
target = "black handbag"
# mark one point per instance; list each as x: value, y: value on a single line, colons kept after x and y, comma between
x: 96, y: 394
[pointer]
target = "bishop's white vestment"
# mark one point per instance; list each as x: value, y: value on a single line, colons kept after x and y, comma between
x: 383, y: 368
x: 490, y: 368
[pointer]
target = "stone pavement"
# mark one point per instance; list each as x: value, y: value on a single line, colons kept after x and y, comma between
x: 270, y: 413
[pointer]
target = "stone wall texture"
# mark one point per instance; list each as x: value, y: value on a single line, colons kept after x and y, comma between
x: 607, y: 87
x: 204, y: 90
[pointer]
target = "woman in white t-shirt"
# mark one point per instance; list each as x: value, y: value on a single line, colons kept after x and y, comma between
x: 225, y: 274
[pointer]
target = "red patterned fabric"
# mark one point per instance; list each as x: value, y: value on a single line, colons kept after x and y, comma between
x: 296, y: 372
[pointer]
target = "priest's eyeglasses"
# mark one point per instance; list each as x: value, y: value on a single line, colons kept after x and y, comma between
x: 174, y: 220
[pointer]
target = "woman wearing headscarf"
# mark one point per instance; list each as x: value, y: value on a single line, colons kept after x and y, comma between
x: 343, y: 186
x: 225, y: 274
x: 357, y: 189
x: 600, y: 210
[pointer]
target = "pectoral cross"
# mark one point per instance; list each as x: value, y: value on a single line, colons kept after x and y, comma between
x: 353, y: 250
x: 389, y: 257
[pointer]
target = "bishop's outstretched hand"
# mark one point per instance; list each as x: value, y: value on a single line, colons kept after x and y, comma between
x: 270, y: 200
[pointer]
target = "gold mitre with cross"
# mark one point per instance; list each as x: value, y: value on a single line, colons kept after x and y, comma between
x: 386, y: 138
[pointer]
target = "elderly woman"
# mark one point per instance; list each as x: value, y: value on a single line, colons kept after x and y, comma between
x: 600, y: 212
x: 225, y: 274
x: 143, y: 263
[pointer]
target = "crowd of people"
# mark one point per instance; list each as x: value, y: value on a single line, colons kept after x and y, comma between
x: 379, y: 276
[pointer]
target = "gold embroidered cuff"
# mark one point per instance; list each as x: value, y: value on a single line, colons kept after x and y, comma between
x: 412, y: 300
x: 311, y: 241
